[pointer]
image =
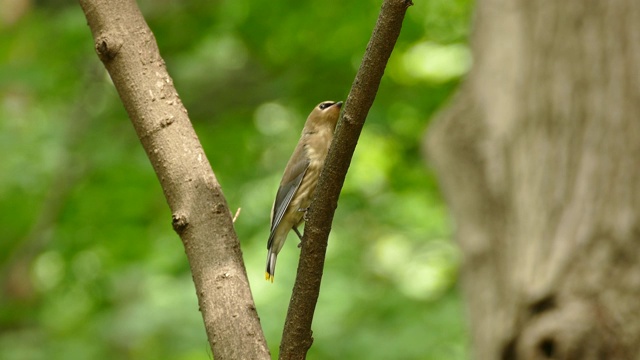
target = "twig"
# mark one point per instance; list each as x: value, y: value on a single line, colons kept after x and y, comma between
x: 236, y: 215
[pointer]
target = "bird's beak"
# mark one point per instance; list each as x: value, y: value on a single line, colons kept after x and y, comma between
x: 338, y: 104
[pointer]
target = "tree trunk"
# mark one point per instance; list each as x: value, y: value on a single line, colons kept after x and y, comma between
x: 539, y: 160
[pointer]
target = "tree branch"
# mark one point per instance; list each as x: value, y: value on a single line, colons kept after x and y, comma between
x: 297, y: 335
x: 201, y: 217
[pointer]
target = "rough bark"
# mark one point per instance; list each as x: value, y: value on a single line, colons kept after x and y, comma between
x: 538, y: 159
x: 128, y: 49
x: 297, y: 335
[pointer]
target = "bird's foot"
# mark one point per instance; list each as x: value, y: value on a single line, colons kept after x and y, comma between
x: 295, y: 228
x: 305, y: 217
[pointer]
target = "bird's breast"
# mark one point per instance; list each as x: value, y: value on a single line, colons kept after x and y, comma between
x: 316, y: 148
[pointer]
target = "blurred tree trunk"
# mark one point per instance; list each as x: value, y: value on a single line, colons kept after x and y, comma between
x: 539, y: 160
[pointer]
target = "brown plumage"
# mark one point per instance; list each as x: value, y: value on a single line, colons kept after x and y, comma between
x: 300, y: 178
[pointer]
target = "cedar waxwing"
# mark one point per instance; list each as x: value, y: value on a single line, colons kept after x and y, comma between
x: 300, y: 178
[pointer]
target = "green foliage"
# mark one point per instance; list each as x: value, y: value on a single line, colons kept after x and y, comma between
x: 89, y: 265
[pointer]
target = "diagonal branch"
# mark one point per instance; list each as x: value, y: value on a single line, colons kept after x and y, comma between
x: 296, y: 337
x: 201, y: 217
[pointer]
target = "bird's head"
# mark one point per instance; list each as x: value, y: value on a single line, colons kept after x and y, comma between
x: 325, y: 114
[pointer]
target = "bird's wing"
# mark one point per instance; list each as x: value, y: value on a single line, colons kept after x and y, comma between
x: 291, y: 180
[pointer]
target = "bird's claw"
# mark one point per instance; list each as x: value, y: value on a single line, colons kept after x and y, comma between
x: 295, y: 228
x: 305, y: 217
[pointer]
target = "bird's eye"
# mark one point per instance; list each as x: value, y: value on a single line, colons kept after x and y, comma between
x: 325, y: 105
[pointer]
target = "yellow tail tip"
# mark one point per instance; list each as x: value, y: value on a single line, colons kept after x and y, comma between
x: 268, y: 277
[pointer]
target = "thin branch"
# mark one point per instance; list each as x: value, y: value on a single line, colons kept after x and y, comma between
x: 297, y: 335
x: 235, y: 217
x: 201, y: 217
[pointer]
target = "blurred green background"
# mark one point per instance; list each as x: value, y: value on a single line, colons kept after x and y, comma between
x: 90, y: 267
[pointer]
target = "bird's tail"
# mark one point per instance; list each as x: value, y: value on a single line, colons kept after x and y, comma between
x: 271, y: 265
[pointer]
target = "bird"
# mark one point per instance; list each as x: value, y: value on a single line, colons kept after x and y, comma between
x: 300, y: 178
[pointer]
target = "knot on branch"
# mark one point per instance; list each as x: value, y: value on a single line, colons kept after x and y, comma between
x: 107, y: 47
x: 546, y: 303
x: 179, y: 222
x: 166, y: 121
x: 557, y: 329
